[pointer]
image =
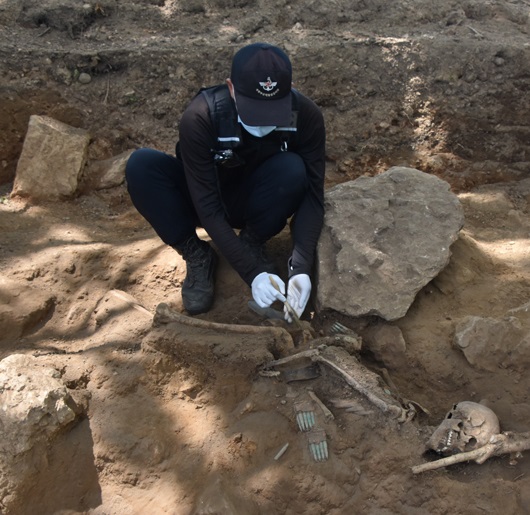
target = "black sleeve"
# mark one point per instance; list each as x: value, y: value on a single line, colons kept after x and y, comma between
x: 197, y: 139
x: 307, y: 222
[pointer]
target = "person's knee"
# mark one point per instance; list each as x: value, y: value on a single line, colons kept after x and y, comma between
x: 295, y: 173
x: 137, y: 164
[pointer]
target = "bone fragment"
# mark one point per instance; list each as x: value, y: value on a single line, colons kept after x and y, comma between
x: 165, y: 315
x: 351, y: 406
x: 129, y: 299
x: 362, y: 380
x: 504, y: 443
x: 351, y: 344
x: 269, y: 373
x: 327, y: 413
x: 311, y: 354
x: 357, y: 376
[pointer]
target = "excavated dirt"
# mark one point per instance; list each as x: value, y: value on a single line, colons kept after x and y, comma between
x: 178, y: 419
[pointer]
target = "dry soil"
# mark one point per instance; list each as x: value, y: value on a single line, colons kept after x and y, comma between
x: 179, y: 420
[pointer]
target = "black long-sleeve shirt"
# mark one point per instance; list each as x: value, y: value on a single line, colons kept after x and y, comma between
x: 197, y: 139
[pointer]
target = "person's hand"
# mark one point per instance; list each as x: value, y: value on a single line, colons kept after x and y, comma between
x: 263, y: 291
x: 298, y: 292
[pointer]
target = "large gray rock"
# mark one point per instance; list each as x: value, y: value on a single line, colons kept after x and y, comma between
x: 487, y: 342
x: 384, y: 238
x: 490, y: 343
x: 52, y: 159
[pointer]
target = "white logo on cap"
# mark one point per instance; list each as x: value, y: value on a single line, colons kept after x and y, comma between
x: 268, y: 85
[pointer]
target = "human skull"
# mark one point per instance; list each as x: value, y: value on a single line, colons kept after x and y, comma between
x: 466, y: 427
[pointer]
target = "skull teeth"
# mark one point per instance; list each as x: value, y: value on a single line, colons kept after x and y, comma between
x: 448, y: 442
x: 469, y: 425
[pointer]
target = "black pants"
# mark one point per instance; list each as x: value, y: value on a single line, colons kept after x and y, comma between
x: 262, y: 201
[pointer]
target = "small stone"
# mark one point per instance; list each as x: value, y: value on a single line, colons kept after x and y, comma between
x: 84, y: 78
x: 499, y: 61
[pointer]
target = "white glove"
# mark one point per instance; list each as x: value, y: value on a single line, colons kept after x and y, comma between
x: 298, y: 293
x: 264, y: 293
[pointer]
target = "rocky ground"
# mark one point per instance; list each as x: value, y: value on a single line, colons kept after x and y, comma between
x: 178, y: 420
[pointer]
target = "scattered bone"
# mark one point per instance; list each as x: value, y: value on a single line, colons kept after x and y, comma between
x: 302, y: 333
x: 351, y: 406
x: 347, y: 366
x: 269, y: 373
x: 282, y: 339
x: 349, y: 343
x: 352, y: 342
x: 165, y: 315
x: 327, y: 413
x: 131, y: 301
x: 356, y: 375
x: 505, y: 443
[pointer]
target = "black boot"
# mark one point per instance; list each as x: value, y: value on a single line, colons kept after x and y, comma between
x: 198, y: 286
x: 257, y: 249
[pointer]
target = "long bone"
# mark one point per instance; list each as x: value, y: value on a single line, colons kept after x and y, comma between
x: 282, y: 340
x: 504, y: 443
x: 356, y: 375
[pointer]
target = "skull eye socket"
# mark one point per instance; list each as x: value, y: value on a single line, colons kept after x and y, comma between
x: 472, y: 443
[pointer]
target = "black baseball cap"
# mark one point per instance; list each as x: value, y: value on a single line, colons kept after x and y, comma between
x: 262, y: 76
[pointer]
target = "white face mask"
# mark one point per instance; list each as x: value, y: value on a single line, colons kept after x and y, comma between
x: 258, y: 131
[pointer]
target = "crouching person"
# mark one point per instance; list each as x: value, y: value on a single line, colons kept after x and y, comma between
x: 251, y: 156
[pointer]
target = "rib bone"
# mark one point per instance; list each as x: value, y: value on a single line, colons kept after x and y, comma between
x: 356, y: 375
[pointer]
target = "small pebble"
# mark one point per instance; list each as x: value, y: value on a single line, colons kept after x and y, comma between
x: 84, y: 78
